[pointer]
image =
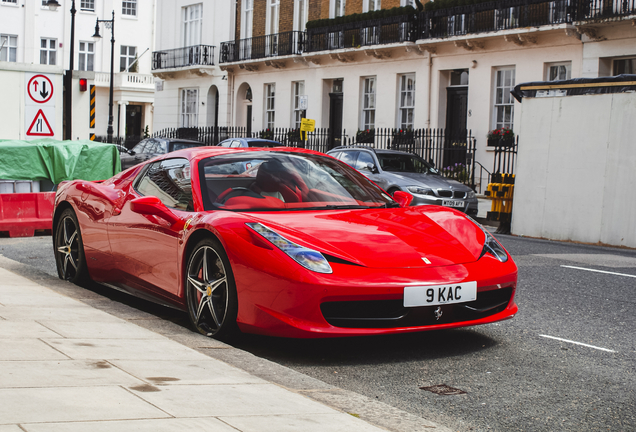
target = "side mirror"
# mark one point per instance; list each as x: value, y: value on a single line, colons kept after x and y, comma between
x: 372, y: 168
x: 131, y: 152
x: 402, y: 198
x: 152, y: 206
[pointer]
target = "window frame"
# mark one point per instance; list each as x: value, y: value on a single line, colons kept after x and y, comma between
x: 301, y: 15
x: 269, y: 100
x: 8, y: 48
x: 298, y: 89
x: 549, y: 66
x: 495, y: 124
x: 128, y: 6
x: 337, y: 8
x: 247, y: 11
x: 188, y: 117
x: 365, y: 98
x: 84, y: 5
x: 86, y: 55
x: 47, y: 51
x: 367, y: 4
x: 129, y: 59
x: 404, y: 109
x: 272, y: 17
x: 625, y: 59
x: 191, y: 28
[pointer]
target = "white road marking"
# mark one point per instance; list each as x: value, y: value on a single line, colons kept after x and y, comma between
x: 599, y: 271
x: 578, y: 343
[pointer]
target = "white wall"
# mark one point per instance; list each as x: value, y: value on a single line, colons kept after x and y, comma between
x: 577, y: 168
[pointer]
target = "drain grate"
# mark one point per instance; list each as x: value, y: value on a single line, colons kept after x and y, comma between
x: 443, y: 390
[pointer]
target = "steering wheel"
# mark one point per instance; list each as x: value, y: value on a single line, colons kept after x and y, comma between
x: 234, y: 192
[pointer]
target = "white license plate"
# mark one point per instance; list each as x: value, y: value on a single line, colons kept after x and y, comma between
x: 453, y: 203
x: 432, y: 295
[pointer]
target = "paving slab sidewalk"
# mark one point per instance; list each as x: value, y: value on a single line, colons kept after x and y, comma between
x: 68, y: 366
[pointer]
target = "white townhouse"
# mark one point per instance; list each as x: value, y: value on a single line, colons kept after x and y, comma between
x: 33, y: 34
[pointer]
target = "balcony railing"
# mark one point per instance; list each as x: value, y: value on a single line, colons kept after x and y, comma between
x: 443, y: 23
x: 126, y: 80
x: 196, y: 55
x: 274, y: 45
x: 380, y: 31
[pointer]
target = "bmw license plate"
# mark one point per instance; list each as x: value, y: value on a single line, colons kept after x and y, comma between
x: 432, y: 295
x: 453, y: 203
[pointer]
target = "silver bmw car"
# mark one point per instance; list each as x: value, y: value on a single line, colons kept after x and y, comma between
x: 395, y: 170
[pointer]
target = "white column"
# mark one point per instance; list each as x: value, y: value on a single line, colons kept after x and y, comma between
x: 121, y: 125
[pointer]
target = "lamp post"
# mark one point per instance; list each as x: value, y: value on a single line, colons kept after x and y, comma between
x: 68, y: 99
x: 111, y: 25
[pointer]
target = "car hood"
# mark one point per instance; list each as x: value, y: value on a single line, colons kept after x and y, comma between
x: 429, y: 180
x: 383, y: 238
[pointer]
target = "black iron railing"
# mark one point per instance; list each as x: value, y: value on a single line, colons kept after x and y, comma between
x: 379, y: 31
x: 274, y: 45
x: 196, y: 55
x: 452, y: 152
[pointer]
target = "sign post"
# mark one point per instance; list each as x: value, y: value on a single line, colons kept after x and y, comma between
x: 39, y: 112
x: 306, y: 125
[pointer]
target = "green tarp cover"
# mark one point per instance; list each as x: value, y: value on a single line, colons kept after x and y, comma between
x: 57, y: 160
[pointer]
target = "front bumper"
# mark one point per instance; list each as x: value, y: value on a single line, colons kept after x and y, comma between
x: 469, y: 206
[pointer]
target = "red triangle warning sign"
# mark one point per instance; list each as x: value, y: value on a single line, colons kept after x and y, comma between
x: 40, y: 126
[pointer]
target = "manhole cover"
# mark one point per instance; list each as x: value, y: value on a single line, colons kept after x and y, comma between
x: 444, y: 390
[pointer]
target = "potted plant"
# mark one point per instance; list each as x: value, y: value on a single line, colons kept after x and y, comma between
x: 267, y: 134
x: 366, y: 136
x: 403, y: 136
x: 502, y: 137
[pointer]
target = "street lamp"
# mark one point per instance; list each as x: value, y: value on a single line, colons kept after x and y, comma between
x: 111, y: 25
x: 68, y: 101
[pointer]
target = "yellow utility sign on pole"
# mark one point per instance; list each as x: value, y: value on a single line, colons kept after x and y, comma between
x: 307, y: 125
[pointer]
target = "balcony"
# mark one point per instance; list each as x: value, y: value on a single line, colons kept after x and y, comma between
x: 126, y: 81
x: 260, y: 47
x: 196, y: 55
x: 395, y: 29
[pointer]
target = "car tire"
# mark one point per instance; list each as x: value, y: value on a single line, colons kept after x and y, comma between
x: 211, y: 297
x: 70, y: 259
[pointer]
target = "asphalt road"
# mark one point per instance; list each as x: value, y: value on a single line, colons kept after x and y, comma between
x: 516, y: 375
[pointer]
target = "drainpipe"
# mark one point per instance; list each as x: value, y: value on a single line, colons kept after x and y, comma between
x: 430, y: 79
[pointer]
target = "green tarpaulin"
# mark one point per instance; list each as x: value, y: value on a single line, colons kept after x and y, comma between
x: 57, y: 160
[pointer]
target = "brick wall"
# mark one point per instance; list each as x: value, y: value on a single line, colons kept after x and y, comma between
x: 239, y: 9
x: 353, y: 7
x: 286, y: 22
x: 260, y: 14
x: 388, y: 4
x: 315, y: 9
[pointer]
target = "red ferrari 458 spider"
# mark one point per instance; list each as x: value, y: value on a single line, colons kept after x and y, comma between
x: 280, y: 241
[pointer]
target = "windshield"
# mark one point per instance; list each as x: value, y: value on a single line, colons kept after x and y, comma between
x: 396, y: 162
x: 258, y: 181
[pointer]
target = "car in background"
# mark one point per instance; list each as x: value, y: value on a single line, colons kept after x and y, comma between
x: 249, y: 142
x: 151, y: 147
x: 395, y: 170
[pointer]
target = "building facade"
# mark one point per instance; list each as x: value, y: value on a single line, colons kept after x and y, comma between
x: 32, y: 33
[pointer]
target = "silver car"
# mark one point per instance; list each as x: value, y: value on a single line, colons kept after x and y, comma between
x: 395, y: 170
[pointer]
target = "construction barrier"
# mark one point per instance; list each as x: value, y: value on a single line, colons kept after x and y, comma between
x: 501, y: 191
x: 21, y: 214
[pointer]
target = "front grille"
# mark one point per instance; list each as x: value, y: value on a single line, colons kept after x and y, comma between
x: 445, y: 193
x: 392, y: 313
x: 460, y: 194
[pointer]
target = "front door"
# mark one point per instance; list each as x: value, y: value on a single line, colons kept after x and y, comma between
x: 133, y: 120
x: 456, y: 133
x: 249, y: 120
x: 335, y: 119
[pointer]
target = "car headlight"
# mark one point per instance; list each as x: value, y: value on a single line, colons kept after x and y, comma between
x: 491, y: 245
x: 470, y: 195
x: 308, y: 258
x: 420, y: 190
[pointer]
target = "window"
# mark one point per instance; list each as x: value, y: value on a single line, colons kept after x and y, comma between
x: 189, y: 107
x: 408, y: 3
x: 406, y: 103
x: 87, y: 5
x: 367, y: 121
x: 129, y: 7
x: 301, y: 14
x: 86, y: 55
x: 246, y: 22
x: 371, y: 5
x: 337, y: 8
x: 270, y: 92
x: 298, y: 89
x: 559, y: 71
x: 273, y: 10
x: 9, y: 49
x: 624, y: 66
x: 364, y: 160
x: 504, y: 105
x: 48, y: 51
x: 192, y: 22
x: 168, y: 180
x: 127, y: 57
x: 11, y: 1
